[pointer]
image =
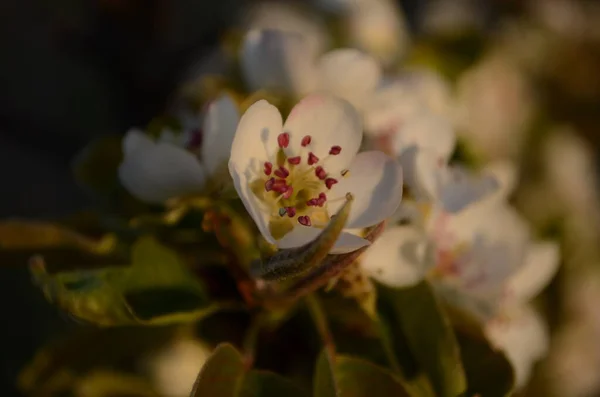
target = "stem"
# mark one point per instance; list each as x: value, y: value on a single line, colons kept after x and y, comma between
x: 320, y: 319
x: 251, y: 339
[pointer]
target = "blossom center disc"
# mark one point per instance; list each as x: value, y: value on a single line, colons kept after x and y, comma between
x: 293, y: 190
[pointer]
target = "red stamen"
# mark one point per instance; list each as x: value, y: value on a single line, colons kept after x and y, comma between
x: 288, y: 192
x: 312, y: 159
x: 269, y: 184
x: 291, y: 211
x: 304, y: 220
x: 335, y: 150
x: 294, y: 160
x: 320, y: 173
x: 283, y: 140
x: 268, y: 168
x: 313, y: 202
x: 279, y: 186
x: 329, y: 182
x: 282, y: 172
x: 322, y: 199
x: 306, y: 141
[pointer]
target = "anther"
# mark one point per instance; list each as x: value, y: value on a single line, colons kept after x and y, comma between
x: 294, y: 160
x: 312, y: 159
x: 304, y: 220
x: 320, y: 173
x: 269, y: 184
x: 306, y: 141
x: 322, y: 199
x: 283, y: 140
x: 288, y: 192
x: 282, y: 172
x: 313, y: 202
x: 344, y: 172
x: 282, y: 211
x: 278, y: 185
x: 335, y: 150
x: 291, y: 211
x: 268, y: 168
x: 329, y: 182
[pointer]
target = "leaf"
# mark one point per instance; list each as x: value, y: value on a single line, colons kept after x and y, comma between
x: 222, y: 375
x: 297, y: 261
x: 96, y: 166
x: 355, y: 378
x: 157, y: 288
x: 225, y: 374
x: 488, y: 371
x: 415, y: 315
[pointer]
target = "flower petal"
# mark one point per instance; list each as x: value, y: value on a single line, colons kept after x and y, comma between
x: 219, y: 128
x: 400, y: 257
x: 375, y: 181
x: 255, y: 139
x: 241, y: 182
x: 506, y: 173
x: 279, y: 61
x: 349, y: 74
x: 300, y: 235
x: 426, y: 130
x: 155, y: 172
x: 523, y: 335
x: 541, y: 264
x: 330, y: 121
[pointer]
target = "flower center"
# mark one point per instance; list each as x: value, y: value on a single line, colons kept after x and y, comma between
x: 293, y: 190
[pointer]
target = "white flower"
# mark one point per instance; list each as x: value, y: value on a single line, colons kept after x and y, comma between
x: 292, y: 177
x: 494, y: 107
x: 283, y: 61
x: 523, y: 336
x: 449, y: 17
x: 174, y: 368
x: 157, y: 170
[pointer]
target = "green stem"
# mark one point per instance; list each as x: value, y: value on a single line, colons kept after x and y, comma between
x: 251, y: 339
x: 316, y: 311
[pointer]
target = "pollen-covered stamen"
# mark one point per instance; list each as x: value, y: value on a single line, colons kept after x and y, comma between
x: 306, y: 141
x: 320, y: 173
x: 304, y: 220
x: 335, y: 150
x: 283, y: 140
x: 312, y: 159
x: 282, y: 172
x: 291, y: 211
x: 288, y: 192
x: 313, y: 202
x: 322, y: 199
x: 269, y: 184
x: 268, y: 168
x: 329, y: 182
x: 279, y: 185
x: 294, y: 160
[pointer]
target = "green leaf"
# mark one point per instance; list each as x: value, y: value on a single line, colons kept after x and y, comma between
x: 225, y: 374
x: 417, y: 324
x: 96, y: 166
x: 157, y: 288
x: 488, y: 371
x: 222, y: 375
x: 297, y: 261
x: 354, y: 377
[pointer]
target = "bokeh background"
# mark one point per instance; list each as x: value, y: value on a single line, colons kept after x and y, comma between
x: 72, y: 71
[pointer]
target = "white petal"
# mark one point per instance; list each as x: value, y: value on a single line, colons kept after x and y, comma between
x: 400, y: 257
x: 301, y: 235
x: 541, y: 264
x: 506, y: 173
x: 375, y: 181
x: 277, y: 60
x: 522, y: 334
x: 255, y: 139
x: 156, y: 172
x: 377, y: 27
x: 134, y: 140
x: 349, y: 74
x: 220, y: 124
x: 330, y: 121
x: 241, y: 182
x: 426, y: 130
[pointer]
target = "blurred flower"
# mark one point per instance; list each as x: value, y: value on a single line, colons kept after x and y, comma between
x: 174, y: 368
x: 572, y: 19
x: 289, y: 18
x: 181, y: 163
x: 448, y: 17
x: 292, y: 177
x: 494, y: 107
x: 282, y: 61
